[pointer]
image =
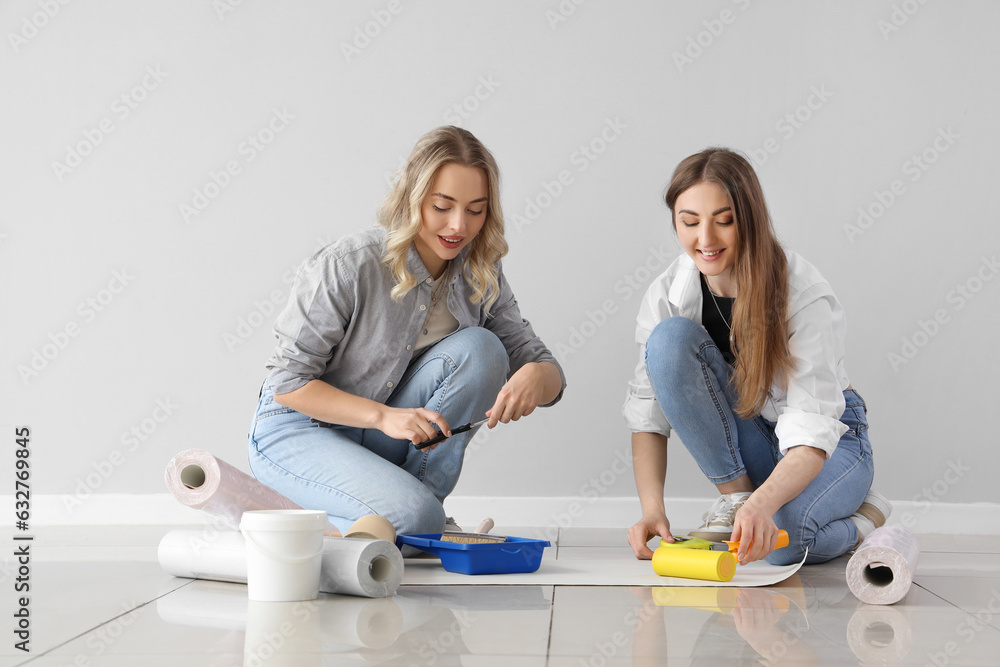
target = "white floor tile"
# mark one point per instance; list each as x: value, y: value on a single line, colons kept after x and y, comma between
x: 931, y: 542
x: 979, y: 597
x: 595, y: 553
x: 632, y: 624
x: 592, y: 537
x: 98, y: 597
x: 212, y: 618
x: 68, y: 599
x: 986, y: 565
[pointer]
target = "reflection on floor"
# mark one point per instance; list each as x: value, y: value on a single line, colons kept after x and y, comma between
x: 98, y: 597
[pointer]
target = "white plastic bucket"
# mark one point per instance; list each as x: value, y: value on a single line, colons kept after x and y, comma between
x: 284, y: 553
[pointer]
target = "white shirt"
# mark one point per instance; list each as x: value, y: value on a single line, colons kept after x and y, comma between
x: 808, y: 411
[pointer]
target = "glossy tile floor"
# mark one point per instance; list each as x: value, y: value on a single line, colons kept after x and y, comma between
x: 98, y: 597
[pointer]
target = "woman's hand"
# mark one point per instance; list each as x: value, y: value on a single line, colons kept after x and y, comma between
x: 754, y: 523
x: 647, y: 528
x: 756, y: 532
x: 520, y: 395
x: 413, y: 424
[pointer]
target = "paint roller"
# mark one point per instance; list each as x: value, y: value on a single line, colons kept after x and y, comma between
x: 694, y: 564
x: 692, y: 558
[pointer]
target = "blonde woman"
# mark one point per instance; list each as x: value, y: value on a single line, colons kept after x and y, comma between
x: 393, y: 335
x: 742, y: 355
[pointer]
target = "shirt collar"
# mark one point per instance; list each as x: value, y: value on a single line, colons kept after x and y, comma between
x: 685, y: 289
x: 415, y: 265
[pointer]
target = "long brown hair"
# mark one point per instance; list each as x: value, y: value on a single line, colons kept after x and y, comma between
x: 400, y: 211
x: 759, y: 327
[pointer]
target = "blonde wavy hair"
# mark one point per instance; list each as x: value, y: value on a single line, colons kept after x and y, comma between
x: 400, y: 211
x: 760, y: 312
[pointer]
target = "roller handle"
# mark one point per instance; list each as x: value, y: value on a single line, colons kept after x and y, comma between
x: 735, y: 546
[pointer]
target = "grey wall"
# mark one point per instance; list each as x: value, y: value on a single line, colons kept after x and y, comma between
x: 139, y: 316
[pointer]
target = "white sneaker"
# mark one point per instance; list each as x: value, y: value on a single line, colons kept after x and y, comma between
x: 872, y: 514
x: 718, y: 521
x: 451, y: 526
x: 876, y: 508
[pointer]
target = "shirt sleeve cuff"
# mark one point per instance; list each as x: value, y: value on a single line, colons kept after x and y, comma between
x: 562, y: 378
x: 645, y: 416
x: 281, y: 381
x: 795, y: 428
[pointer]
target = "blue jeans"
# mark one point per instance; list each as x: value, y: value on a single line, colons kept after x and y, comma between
x: 350, y: 472
x: 691, y: 382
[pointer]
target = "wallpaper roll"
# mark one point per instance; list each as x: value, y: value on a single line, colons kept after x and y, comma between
x: 881, y: 570
x: 204, y: 554
x: 694, y: 564
x: 202, y: 481
x: 372, y: 527
x: 365, y: 568
x: 879, y: 635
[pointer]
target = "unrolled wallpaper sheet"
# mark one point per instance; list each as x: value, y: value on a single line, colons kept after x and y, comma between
x: 351, y: 566
x: 626, y: 571
x: 882, y: 568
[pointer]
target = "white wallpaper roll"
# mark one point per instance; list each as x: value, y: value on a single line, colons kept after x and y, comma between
x: 365, y: 568
x: 881, y: 570
x: 200, y: 554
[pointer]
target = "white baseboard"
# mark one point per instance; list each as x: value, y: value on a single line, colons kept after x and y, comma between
x: 563, y: 512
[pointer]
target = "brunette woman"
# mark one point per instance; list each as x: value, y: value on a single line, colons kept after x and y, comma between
x: 741, y: 353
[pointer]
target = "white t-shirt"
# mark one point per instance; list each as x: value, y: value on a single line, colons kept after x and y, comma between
x: 440, y: 322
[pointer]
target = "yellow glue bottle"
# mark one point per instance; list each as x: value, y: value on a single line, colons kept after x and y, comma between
x: 694, y: 564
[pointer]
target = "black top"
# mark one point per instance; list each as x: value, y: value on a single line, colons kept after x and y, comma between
x: 717, y: 327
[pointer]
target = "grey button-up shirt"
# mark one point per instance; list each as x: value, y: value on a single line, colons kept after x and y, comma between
x: 342, y: 326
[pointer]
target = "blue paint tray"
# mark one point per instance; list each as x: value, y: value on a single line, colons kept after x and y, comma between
x: 517, y: 554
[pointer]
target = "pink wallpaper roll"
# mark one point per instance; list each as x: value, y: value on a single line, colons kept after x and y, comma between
x: 202, y: 481
x: 882, y: 568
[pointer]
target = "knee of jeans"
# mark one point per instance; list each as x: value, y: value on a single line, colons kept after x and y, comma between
x: 799, y: 538
x: 789, y: 555
x: 488, y: 355
x: 423, y: 514
x: 670, y: 340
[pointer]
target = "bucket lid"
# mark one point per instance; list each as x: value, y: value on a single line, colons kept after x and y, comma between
x: 284, y: 520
